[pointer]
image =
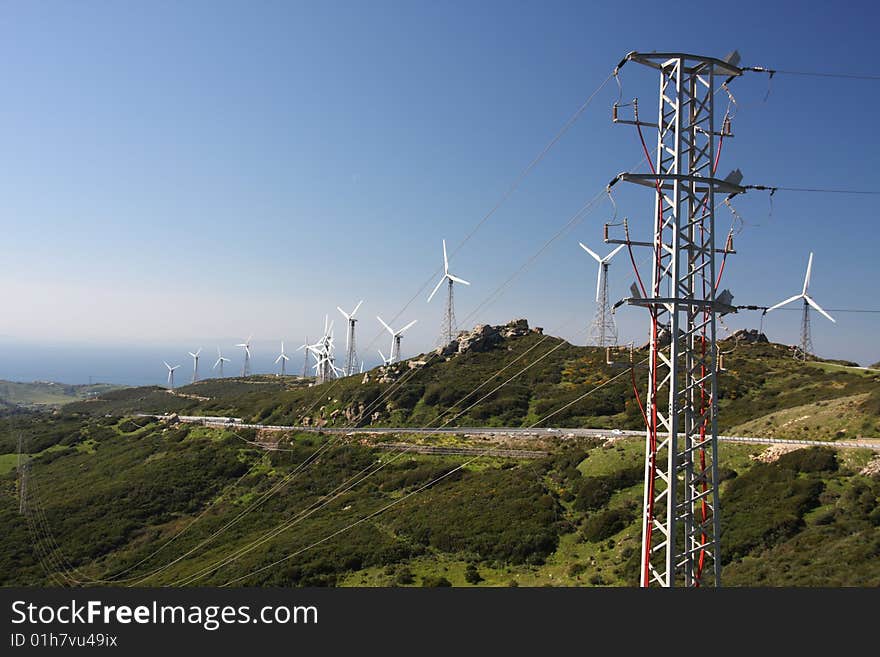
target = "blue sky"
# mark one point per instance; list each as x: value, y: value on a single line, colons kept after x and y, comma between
x: 184, y: 174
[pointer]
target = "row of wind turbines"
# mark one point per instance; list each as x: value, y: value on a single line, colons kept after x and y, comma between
x: 324, y: 350
x: 603, y: 331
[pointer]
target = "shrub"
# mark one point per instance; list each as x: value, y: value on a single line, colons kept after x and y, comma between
x: 604, y: 524
x: 433, y: 581
x: 472, y: 575
x: 814, y: 459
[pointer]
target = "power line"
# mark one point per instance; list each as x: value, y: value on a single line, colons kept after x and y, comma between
x: 837, y: 310
x: 815, y: 190
x: 502, y: 200
x: 418, y: 490
x: 815, y: 74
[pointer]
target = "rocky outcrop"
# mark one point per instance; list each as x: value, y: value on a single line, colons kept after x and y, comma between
x: 484, y: 337
x: 749, y: 336
x: 515, y: 329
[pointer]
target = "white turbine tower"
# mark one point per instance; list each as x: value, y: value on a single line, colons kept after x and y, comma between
x: 170, y: 374
x: 395, y: 339
x: 350, y: 348
x: 246, y: 367
x: 195, y: 357
x: 603, y: 331
x: 806, y: 346
x: 282, y: 358
x: 447, y: 331
x: 220, y: 361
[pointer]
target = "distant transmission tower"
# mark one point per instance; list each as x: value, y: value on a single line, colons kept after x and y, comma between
x: 680, y: 521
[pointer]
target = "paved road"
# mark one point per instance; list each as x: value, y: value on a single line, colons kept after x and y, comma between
x: 515, y: 432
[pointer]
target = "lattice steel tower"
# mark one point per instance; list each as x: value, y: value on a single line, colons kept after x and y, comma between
x: 351, y: 357
x: 680, y: 523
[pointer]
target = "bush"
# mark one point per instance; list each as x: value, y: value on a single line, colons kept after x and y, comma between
x: 435, y: 581
x: 604, y: 524
x: 814, y: 459
x: 595, y: 492
x: 472, y: 575
x: 404, y: 576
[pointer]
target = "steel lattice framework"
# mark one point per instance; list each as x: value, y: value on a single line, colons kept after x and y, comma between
x: 680, y: 524
x: 603, y: 330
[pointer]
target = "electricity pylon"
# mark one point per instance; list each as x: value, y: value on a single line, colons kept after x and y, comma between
x: 680, y: 519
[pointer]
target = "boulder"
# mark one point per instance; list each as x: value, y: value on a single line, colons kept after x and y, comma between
x: 515, y: 328
x: 482, y: 338
x: 749, y: 336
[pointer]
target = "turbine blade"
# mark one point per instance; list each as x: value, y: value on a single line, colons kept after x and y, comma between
x: 599, y: 283
x: 590, y: 251
x: 412, y: 323
x: 458, y: 280
x: 614, y: 252
x: 786, y: 302
x: 819, y: 308
x: 354, y: 312
x: 431, y: 296
x: 167, y: 365
x: 277, y: 359
x: 344, y: 314
x: 445, y: 259
x: 216, y: 364
x: 809, y: 271
x: 382, y: 322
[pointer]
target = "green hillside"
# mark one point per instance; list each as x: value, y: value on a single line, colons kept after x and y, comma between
x: 760, y: 380
x: 119, y: 502
x: 119, y: 499
x: 36, y: 394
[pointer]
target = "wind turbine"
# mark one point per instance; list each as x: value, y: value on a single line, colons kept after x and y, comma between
x: 603, y: 331
x: 385, y: 361
x: 283, y: 358
x: 195, y: 357
x: 170, y: 374
x: 220, y: 361
x: 304, y: 347
x: 323, y: 351
x: 395, y: 339
x: 806, y: 346
x: 447, y: 331
x: 350, y: 349
x: 246, y: 368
